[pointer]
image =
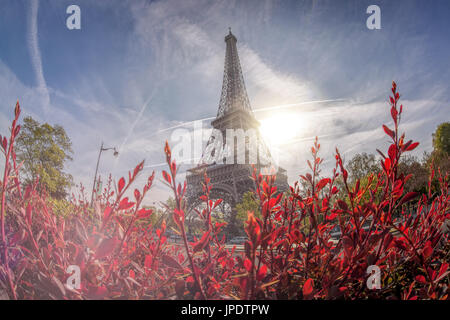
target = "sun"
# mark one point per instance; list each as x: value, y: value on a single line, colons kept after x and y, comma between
x: 281, y: 128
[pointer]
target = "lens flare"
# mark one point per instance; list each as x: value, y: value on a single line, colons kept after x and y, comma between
x: 281, y: 128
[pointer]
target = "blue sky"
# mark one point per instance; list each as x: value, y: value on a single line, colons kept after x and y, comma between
x: 137, y: 67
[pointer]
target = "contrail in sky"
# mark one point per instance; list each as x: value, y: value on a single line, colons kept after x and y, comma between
x: 35, y: 53
x: 138, y: 118
x: 284, y: 106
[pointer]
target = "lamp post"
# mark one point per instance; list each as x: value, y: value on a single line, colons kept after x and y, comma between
x: 116, y: 153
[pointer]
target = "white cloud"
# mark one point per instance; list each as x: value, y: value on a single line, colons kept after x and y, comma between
x: 271, y: 87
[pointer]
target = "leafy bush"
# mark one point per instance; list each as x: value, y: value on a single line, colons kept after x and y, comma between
x: 44, y: 150
x: 289, y: 253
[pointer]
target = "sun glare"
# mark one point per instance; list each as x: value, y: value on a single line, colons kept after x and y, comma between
x: 279, y: 129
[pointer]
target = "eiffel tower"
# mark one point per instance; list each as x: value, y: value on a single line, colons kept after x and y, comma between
x: 230, y: 172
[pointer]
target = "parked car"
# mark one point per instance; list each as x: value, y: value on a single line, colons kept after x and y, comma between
x: 175, y: 238
x: 238, y: 240
x: 336, y: 232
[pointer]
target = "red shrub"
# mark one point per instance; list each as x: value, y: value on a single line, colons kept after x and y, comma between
x: 289, y: 253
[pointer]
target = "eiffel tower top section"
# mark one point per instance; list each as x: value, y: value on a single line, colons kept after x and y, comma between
x: 234, y: 95
x: 235, y: 146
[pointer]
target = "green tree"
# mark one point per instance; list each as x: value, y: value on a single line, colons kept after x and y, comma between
x: 440, y: 156
x: 411, y: 165
x: 441, y: 138
x: 248, y: 203
x: 361, y: 165
x: 441, y: 148
x: 44, y: 150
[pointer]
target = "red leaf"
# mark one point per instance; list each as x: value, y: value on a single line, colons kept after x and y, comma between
x: 322, y: 183
x: 174, y: 167
x: 106, y: 214
x: 144, y: 213
x: 4, y: 143
x: 138, y: 168
x: 427, y: 251
x: 167, y: 177
x: 388, y: 131
x: 261, y: 272
x: 274, y: 201
x: 202, y: 242
x: 391, y: 100
x: 178, y: 216
x: 125, y: 205
x: 392, y: 152
x: 406, y: 145
x: 29, y: 213
x: 387, y: 163
x: 218, y: 201
x: 16, y: 131
x: 308, y: 287
x: 345, y: 174
x: 394, y: 114
x: 334, y: 190
x: 421, y: 279
x: 381, y: 153
x: 332, y: 216
x: 342, y: 204
x: 137, y: 194
x: 442, y: 272
x: 248, y: 265
x: 17, y: 110
x: 412, y: 146
x: 121, y: 184
x: 171, y: 262
x: 408, y: 197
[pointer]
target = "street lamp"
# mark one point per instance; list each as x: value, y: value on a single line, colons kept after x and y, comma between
x: 116, y: 153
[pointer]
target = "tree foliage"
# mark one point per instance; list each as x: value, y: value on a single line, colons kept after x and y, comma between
x: 418, y: 169
x: 441, y: 138
x: 440, y: 157
x: 44, y: 150
x: 361, y: 165
x: 248, y: 204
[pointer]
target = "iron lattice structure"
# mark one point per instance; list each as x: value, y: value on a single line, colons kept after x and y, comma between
x: 229, y: 177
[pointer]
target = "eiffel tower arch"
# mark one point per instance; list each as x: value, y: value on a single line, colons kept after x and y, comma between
x: 236, y: 143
